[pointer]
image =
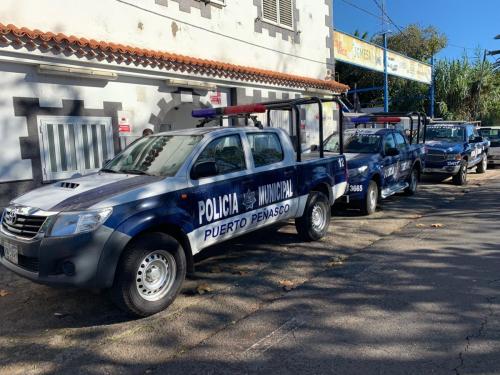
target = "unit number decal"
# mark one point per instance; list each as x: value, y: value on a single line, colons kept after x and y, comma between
x: 355, y: 188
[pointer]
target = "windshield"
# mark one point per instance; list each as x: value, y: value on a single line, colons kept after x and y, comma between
x: 445, y: 134
x: 160, y: 155
x: 492, y: 134
x: 354, y: 142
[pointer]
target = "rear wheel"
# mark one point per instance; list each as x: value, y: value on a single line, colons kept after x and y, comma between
x: 313, y: 224
x: 412, y: 183
x: 483, y: 165
x: 369, y: 204
x: 461, y: 177
x: 150, y: 275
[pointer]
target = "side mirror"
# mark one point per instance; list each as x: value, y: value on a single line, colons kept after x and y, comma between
x: 314, y: 147
x: 392, y: 152
x: 204, y: 169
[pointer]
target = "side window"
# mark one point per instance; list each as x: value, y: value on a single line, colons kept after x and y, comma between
x: 400, y: 140
x: 470, y: 134
x: 475, y: 133
x: 226, y: 152
x: 266, y: 148
x: 389, y: 142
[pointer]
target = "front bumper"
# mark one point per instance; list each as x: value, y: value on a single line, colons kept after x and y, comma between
x: 449, y: 167
x: 494, y: 159
x: 60, y: 261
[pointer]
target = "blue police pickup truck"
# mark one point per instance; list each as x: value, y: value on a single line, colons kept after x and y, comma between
x: 381, y: 162
x: 134, y: 226
x: 493, y: 135
x: 454, y: 148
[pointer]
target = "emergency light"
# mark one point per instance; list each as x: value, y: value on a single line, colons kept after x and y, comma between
x: 232, y: 110
x: 375, y: 119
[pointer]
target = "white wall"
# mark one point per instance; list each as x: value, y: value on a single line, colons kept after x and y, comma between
x: 139, y: 98
x: 228, y: 36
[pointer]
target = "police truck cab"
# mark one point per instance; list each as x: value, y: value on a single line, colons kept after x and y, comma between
x: 134, y: 226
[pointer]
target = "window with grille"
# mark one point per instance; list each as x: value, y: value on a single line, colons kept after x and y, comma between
x: 71, y: 145
x: 278, y: 12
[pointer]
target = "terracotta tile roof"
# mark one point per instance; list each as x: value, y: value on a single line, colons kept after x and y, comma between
x: 10, y: 35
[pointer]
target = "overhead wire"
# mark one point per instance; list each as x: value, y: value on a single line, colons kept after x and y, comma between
x: 392, y: 21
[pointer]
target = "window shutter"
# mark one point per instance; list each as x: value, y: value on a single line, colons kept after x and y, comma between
x: 270, y: 10
x: 286, y: 13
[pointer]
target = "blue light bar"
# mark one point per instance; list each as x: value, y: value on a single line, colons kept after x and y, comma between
x: 207, y: 112
x: 361, y: 119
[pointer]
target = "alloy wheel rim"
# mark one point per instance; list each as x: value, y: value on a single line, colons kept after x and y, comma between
x: 318, y: 217
x: 373, y: 199
x: 413, y: 181
x: 155, y: 275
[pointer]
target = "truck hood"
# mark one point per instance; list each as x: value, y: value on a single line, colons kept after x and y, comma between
x: 445, y: 146
x: 355, y: 160
x: 83, y: 192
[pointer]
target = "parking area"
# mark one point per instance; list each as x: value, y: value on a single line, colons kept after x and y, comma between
x: 46, y: 330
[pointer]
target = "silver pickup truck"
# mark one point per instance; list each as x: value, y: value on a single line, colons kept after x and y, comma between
x: 493, y: 135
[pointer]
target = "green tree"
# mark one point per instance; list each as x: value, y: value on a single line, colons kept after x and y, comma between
x: 468, y: 89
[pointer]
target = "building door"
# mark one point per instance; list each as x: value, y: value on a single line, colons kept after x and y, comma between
x: 72, y: 145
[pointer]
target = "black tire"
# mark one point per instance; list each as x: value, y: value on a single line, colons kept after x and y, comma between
x: 314, y: 222
x: 412, y: 182
x: 483, y: 165
x: 151, y: 252
x: 370, y: 202
x: 461, y: 177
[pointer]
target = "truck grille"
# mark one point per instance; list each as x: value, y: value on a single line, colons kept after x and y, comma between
x: 26, y: 226
x: 434, y: 155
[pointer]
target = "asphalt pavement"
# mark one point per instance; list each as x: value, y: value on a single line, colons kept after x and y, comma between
x: 412, y: 289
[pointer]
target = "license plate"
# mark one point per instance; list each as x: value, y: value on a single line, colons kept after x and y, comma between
x: 10, y: 252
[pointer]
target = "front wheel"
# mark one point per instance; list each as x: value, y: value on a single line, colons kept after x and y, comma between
x: 314, y: 222
x: 369, y: 204
x: 150, y: 275
x: 461, y: 177
x: 483, y: 165
x: 412, y: 183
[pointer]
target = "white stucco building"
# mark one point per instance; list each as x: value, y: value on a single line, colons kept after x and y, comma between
x: 80, y: 79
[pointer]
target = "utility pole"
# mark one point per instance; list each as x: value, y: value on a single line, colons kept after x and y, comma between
x: 431, y: 89
x: 386, y: 76
x: 476, y: 106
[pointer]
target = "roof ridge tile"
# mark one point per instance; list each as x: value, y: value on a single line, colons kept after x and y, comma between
x: 127, y: 53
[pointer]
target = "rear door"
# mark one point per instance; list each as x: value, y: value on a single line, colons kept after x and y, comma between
x: 405, y: 157
x: 273, y: 181
x: 390, y: 163
x: 478, y: 146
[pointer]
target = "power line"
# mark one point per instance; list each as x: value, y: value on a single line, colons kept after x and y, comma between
x: 393, y: 23
x: 363, y: 10
x: 387, y: 15
x: 237, y: 39
x: 461, y: 47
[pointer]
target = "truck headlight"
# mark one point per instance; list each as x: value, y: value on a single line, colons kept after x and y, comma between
x: 453, y: 157
x: 357, y: 171
x: 71, y: 223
